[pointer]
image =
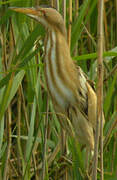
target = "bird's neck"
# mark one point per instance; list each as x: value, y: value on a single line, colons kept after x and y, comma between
x: 57, y: 49
x: 59, y: 68
x: 62, y: 35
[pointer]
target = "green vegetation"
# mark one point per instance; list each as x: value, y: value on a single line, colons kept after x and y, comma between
x: 26, y: 111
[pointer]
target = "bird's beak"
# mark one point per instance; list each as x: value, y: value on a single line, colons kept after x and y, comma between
x: 28, y: 11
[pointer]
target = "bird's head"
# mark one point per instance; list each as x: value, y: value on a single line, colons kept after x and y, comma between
x: 48, y: 17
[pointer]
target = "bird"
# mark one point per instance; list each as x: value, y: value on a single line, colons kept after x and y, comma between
x: 73, y: 96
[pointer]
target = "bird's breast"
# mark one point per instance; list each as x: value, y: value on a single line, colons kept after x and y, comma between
x: 56, y: 85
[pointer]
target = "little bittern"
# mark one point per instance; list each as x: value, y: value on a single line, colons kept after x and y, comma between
x: 70, y: 91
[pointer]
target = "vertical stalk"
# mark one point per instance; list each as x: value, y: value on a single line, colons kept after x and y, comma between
x: 6, y: 167
x: 19, y: 147
x: 76, y: 7
x: 100, y: 79
x: 4, y: 54
x: 99, y: 122
x: 57, y: 5
x: 76, y: 15
x: 116, y: 20
x: 8, y: 123
x: 24, y: 108
x: 64, y: 10
x: 52, y: 3
x: 37, y: 2
x: 19, y: 150
x: 106, y: 29
x: 70, y: 23
x: 45, y: 144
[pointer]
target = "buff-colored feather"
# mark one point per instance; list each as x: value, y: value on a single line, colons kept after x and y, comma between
x: 74, y: 99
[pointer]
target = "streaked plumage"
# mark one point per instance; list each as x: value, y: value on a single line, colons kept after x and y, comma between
x: 70, y: 91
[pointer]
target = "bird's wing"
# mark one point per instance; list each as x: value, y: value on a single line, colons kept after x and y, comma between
x: 92, y: 105
x: 89, y: 98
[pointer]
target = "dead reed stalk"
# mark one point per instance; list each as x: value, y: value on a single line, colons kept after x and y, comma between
x: 99, y: 123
